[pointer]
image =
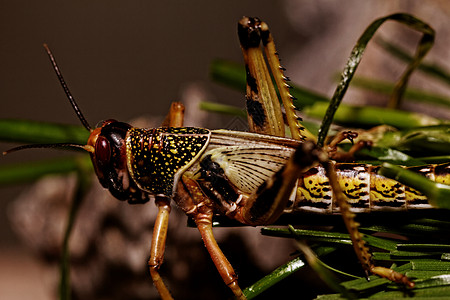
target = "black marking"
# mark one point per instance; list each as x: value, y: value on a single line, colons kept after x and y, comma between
x: 265, y: 38
x: 389, y: 194
x: 421, y: 170
x: 389, y: 203
x: 350, y: 167
x: 442, y: 170
x: 396, y: 186
x: 315, y: 193
x: 255, y: 111
x: 360, y: 204
x: 213, y: 173
x: 363, y: 193
x: 417, y: 202
x: 356, y: 196
x: 249, y: 32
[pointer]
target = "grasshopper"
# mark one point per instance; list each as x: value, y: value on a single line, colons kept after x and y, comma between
x: 252, y: 177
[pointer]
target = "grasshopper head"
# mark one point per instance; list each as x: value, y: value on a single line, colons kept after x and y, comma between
x: 107, y: 147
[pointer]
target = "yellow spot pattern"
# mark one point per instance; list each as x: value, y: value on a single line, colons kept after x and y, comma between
x: 155, y: 155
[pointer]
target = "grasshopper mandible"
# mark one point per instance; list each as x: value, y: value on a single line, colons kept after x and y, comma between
x: 250, y: 177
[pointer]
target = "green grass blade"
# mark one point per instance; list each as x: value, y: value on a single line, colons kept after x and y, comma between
x: 273, y: 278
x: 223, y: 109
x: 386, y: 88
x: 280, y: 273
x: 314, y: 235
x: 425, y: 247
x: 229, y: 73
x: 435, y: 159
x: 434, y: 281
x: 425, y: 44
x: 419, y: 141
x: 440, y: 292
x: 443, y: 225
x: 355, y: 58
x: 414, y: 254
x: 329, y: 237
x: 322, y: 270
x: 30, y: 132
x: 430, y: 265
x: 357, y: 116
x: 82, y: 187
x: 366, y: 116
x: 386, y: 154
x: 429, y: 69
x: 381, y: 243
x: 423, y: 274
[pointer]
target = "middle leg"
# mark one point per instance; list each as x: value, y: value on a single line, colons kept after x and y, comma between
x: 199, y: 207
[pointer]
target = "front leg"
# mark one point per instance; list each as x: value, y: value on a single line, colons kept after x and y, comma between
x: 158, y: 245
x: 173, y: 119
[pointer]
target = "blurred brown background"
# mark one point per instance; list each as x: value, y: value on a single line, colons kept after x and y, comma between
x: 124, y: 59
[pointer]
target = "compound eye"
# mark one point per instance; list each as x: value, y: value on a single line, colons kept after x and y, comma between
x: 102, y: 151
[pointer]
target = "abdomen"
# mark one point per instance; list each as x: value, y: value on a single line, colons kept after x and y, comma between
x: 365, y: 190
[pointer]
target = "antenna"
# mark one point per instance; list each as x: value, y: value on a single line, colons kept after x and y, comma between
x: 77, y: 110
x: 66, y: 90
x: 56, y: 145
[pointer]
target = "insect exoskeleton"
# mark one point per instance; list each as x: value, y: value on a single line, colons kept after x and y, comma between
x: 134, y: 164
x: 157, y: 157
